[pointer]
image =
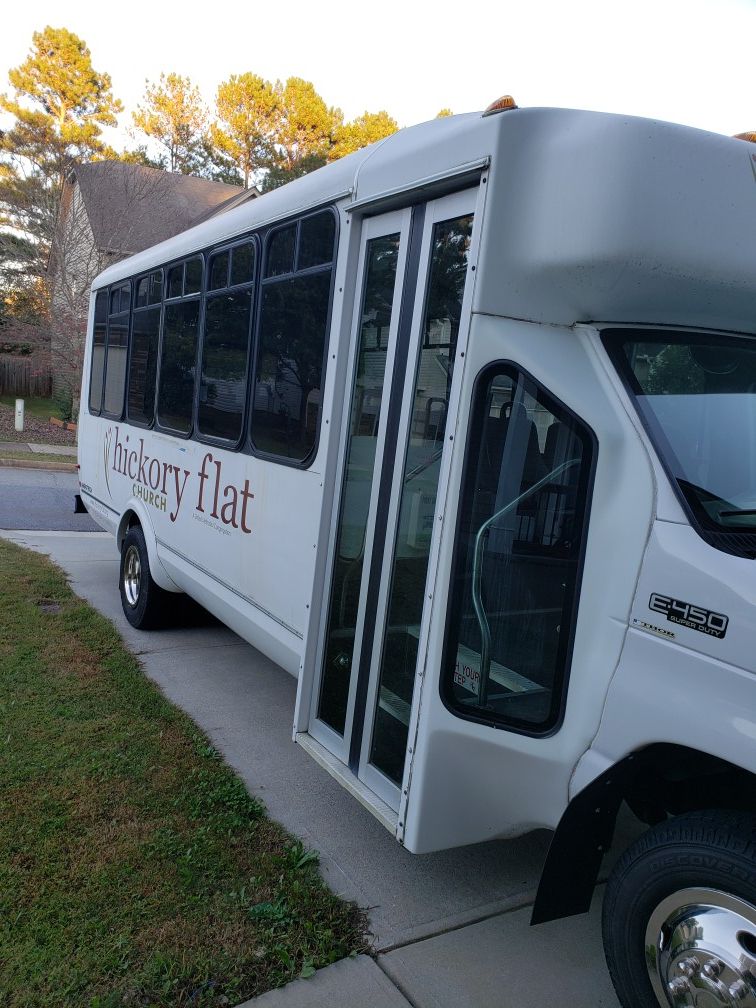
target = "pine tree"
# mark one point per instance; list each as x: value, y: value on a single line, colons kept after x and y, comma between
x: 175, y: 117
x: 305, y: 125
x: 247, y: 108
x: 61, y: 104
x: 365, y: 129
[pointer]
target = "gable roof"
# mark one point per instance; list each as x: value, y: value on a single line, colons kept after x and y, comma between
x: 131, y: 207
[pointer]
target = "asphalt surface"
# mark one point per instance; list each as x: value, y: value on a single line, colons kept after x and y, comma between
x: 38, y: 499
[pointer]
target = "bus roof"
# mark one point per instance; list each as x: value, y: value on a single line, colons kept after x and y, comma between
x: 589, y: 216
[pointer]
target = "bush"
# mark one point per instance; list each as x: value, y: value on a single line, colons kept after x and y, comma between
x: 63, y: 401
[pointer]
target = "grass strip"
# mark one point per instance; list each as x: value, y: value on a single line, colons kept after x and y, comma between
x: 33, y: 405
x: 135, y: 869
x: 26, y: 456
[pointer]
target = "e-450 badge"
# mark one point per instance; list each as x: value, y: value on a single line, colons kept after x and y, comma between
x: 689, y: 615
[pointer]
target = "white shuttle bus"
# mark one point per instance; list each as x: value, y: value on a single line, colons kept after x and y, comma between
x: 461, y: 431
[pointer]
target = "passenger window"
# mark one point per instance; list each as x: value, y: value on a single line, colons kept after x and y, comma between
x: 117, y: 347
x: 218, y: 271
x: 290, y: 346
x: 145, y: 335
x: 97, y: 369
x: 280, y: 258
x: 294, y: 315
x: 143, y: 292
x: 176, y: 281
x: 225, y: 348
x: 193, y: 276
x: 242, y: 264
x: 156, y: 287
x: 177, y: 364
x: 520, y: 536
x: 316, y: 240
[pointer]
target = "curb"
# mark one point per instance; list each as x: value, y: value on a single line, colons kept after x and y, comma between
x: 31, y: 464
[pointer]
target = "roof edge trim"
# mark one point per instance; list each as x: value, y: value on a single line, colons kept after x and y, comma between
x: 469, y: 168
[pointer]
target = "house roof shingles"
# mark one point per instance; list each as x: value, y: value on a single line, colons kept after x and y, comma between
x: 131, y: 207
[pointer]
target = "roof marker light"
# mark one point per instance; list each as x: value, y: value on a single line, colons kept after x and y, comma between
x: 502, y: 104
x: 746, y: 136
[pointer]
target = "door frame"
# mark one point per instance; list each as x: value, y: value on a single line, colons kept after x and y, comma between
x: 373, y: 227
x: 410, y: 294
x: 442, y: 209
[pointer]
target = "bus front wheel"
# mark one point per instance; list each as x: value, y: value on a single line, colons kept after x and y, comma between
x: 143, y: 601
x: 679, y: 917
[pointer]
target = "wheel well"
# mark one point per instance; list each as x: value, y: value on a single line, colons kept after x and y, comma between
x: 659, y: 781
x: 670, y: 780
x: 128, y: 520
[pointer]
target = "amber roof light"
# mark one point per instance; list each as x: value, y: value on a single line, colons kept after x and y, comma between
x: 746, y: 136
x: 502, y: 104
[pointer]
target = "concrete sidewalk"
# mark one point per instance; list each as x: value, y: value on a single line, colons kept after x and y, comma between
x: 65, y: 456
x: 37, y: 449
x: 451, y: 929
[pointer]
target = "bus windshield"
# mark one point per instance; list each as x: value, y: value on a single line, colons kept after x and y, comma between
x: 696, y: 394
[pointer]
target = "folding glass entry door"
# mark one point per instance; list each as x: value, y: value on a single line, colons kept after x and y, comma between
x: 413, y: 271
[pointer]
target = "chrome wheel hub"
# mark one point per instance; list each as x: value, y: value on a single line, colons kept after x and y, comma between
x: 701, y: 950
x: 132, y: 573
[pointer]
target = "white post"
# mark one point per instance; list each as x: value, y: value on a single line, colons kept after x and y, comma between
x: 19, y: 414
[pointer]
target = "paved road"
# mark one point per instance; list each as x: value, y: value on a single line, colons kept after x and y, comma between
x: 39, y: 499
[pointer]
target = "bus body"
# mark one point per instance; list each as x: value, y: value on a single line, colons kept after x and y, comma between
x: 461, y: 431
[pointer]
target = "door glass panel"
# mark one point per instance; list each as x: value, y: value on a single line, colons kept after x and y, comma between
x: 443, y: 309
x: 380, y: 280
x: 519, y: 540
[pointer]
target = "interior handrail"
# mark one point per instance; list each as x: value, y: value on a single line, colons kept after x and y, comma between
x: 480, y: 612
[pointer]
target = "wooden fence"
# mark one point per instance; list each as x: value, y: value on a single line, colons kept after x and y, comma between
x: 21, y: 377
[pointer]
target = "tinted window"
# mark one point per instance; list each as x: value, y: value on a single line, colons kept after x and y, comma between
x: 143, y: 292
x: 280, y: 258
x: 522, y: 523
x: 316, y: 237
x: 149, y: 289
x: 176, y: 281
x: 242, y: 264
x: 119, y: 299
x: 176, y: 391
x: 218, y: 271
x: 225, y: 350
x: 117, y: 347
x: 156, y: 287
x: 291, y: 340
x: 193, y: 276
x: 97, y: 370
x: 143, y: 364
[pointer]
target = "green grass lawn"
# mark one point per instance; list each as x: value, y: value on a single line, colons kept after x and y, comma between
x: 42, y: 408
x: 135, y: 869
x: 38, y: 457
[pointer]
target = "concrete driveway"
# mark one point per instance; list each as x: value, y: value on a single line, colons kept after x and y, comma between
x: 451, y: 929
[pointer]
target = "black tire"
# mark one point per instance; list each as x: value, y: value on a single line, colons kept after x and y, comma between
x: 145, y: 603
x: 713, y: 850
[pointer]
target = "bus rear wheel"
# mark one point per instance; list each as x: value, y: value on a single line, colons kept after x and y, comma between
x: 680, y: 914
x: 143, y: 601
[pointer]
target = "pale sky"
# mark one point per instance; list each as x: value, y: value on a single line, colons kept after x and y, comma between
x: 688, y: 61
